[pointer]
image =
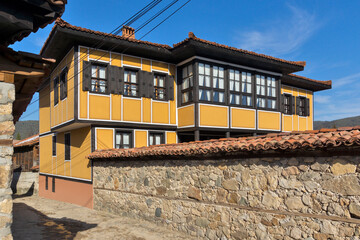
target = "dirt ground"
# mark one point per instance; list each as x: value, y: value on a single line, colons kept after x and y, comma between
x: 40, y: 218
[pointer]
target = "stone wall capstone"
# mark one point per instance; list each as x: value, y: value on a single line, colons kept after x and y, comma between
x: 7, y: 97
x: 246, y: 198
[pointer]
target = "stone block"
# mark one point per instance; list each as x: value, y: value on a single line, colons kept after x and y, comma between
x: 6, y: 206
x: 5, y: 174
x: 194, y: 193
x: 341, y: 167
x: 231, y: 185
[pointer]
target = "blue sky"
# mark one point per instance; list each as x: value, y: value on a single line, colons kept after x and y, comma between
x: 324, y: 33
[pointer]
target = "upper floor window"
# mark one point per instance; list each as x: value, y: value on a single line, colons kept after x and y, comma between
x: 266, y: 92
x: 218, y: 84
x: 54, y: 145
x: 301, y: 106
x: 211, y: 86
x: 123, y: 140
x: 67, y: 147
x: 98, y: 79
x: 131, y: 85
x: 240, y: 88
x: 56, y: 90
x: 187, y: 84
x: 159, y: 87
x: 63, y: 84
x: 287, y: 104
x: 156, y: 138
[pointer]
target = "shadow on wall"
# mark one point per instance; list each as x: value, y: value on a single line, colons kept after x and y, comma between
x: 29, y: 223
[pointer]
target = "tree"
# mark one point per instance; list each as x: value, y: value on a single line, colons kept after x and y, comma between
x: 18, y: 136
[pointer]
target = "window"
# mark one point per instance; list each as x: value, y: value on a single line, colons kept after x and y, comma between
x: 53, y: 184
x: 56, y: 90
x: 156, y: 139
x: 54, y: 145
x: 240, y: 88
x: 46, y: 182
x: 63, y: 84
x: 187, y: 84
x: 266, y: 92
x: 131, y: 86
x: 302, y: 106
x: 123, y: 140
x: 159, y: 87
x: 98, y: 79
x: 287, y: 104
x: 211, y: 83
x: 67, y: 147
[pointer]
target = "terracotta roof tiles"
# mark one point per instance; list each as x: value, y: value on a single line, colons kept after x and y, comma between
x: 312, y: 139
x: 328, y: 82
x: 27, y: 141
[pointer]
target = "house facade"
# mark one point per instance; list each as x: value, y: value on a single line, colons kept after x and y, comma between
x: 110, y: 91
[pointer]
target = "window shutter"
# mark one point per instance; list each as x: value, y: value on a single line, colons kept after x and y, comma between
x: 112, y: 85
x: 282, y: 103
x: 150, y: 84
x: 56, y: 90
x: 297, y: 105
x: 307, y: 107
x: 86, y: 76
x: 65, y: 72
x: 292, y: 105
x: 61, y: 88
x: 169, y: 87
x: 143, y: 78
x: 120, y: 80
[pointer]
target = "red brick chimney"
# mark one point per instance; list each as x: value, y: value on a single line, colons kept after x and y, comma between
x: 128, y: 32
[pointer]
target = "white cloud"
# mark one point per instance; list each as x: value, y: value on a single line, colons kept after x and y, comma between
x: 346, y: 80
x: 281, y: 36
x: 322, y: 99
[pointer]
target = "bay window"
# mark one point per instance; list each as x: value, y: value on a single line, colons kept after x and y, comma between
x: 187, y: 84
x: 266, y: 92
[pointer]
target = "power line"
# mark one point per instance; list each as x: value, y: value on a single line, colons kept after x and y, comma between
x: 153, y: 18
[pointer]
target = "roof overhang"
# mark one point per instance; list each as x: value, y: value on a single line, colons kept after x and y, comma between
x: 301, y: 82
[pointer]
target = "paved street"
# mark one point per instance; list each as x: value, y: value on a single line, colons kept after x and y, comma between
x: 39, y: 218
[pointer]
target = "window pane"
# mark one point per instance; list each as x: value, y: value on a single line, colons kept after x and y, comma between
x: 257, y: 79
x: 216, y: 97
x: 221, y: 72
x: 232, y: 74
x: 126, y: 138
x: 118, y: 139
x: 126, y: 76
x: 184, y: 72
x: 185, y: 83
x: 262, y: 90
x: 161, y: 82
x: 207, y: 69
x: 190, y: 70
x: 248, y: 88
x: 102, y: 72
x: 185, y: 97
x: 221, y: 83
x: 133, y: 77
x: 237, y: 75
x: 207, y: 81
x: 201, y: 80
x: 232, y: 85
x: 157, y: 139
x: 93, y: 71
x: 201, y: 68
x: 215, y: 71
x: 237, y: 86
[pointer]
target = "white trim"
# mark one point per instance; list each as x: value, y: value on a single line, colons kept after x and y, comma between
x: 45, y: 133
x: 62, y: 123
x: 230, y: 120
x: 229, y: 64
x: 97, y: 94
x: 104, y: 120
x: 187, y: 126
x: 159, y: 71
x: 63, y: 176
x: 193, y: 104
x: 132, y: 66
x: 212, y: 105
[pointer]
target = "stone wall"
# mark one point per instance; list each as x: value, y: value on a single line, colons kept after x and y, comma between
x: 253, y: 198
x: 25, y: 183
x: 7, y: 97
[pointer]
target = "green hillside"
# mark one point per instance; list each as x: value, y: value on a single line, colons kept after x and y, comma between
x: 24, y: 129
x: 344, y: 122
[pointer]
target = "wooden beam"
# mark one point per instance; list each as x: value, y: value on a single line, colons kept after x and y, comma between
x: 6, y: 77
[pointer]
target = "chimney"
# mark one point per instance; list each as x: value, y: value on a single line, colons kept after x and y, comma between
x: 128, y: 32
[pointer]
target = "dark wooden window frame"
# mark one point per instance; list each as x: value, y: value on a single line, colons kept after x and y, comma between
x: 153, y: 134
x: 241, y: 93
x: 211, y: 88
x: 53, y: 184
x: 104, y: 65
x: 266, y: 97
x: 121, y: 131
x: 46, y: 182
x: 56, y: 90
x: 190, y: 89
x: 63, y: 83
x: 302, y: 109
x: 67, y: 145
x: 54, y: 145
x: 288, y: 107
x: 156, y: 88
x: 136, y: 70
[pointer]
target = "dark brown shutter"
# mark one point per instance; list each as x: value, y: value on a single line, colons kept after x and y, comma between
x: 150, y: 84
x: 307, y: 107
x: 112, y: 85
x: 63, y: 77
x: 282, y: 103
x: 56, y: 90
x: 297, y: 105
x: 169, y: 87
x: 292, y: 105
x: 86, y: 76
x: 65, y: 82
x: 61, y: 87
x: 142, y: 83
x: 120, y: 79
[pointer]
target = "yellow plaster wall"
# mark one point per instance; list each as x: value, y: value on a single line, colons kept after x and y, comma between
x: 213, y: 116
x: 141, y: 138
x: 161, y: 66
x: 44, y: 110
x: 186, y: 116
x: 45, y: 154
x: 132, y: 61
x: 146, y: 110
x: 104, y: 138
x: 60, y: 154
x: 132, y: 110
x: 160, y: 112
x: 171, y: 137
x: 310, y: 118
x: 83, y: 95
x: 116, y: 107
x: 268, y: 120
x: 287, y: 123
x: 99, y: 107
x: 80, y: 148
x: 99, y: 55
x: 243, y: 118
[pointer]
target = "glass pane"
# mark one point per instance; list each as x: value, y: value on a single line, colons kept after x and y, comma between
x: 237, y: 75
x: 237, y: 86
x: 207, y: 69
x: 93, y: 71
x: 185, y: 83
x: 262, y: 80
x: 257, y: 79
x: 201, y: 80
x: 249, y: 77
x: 118, y: 139
x: 221, y: 97
x: 102, y: 72
x: 231, y: 76
x: 262, y: 90
x: 232, y: 85
x: 157, y: 139
x: 273, y: 92
x: 93, y: 85
x: 248, y: 88
x: 126, y: 138
x: 215, y: 71
x: 133, y: 77
x: 249, y: 103
x: 151, y: 140
x: 201, y: 68
x: 207, y: 81
x: 126, y: 76
x: 185, y: 97
x: 155, y: 81
x: 184, y: 72
x: 243, y: 87
x: 221, y: 72
x: 221, y: 83
x: 216, y: 96
x: 190, y: 70
x: 215, y: 82
x: 161, y: 82
x: 258, y: 90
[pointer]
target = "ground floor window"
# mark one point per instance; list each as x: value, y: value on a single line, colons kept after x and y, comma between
x: 67, y: 147
x: 156, y: 138
x: 123, y: 140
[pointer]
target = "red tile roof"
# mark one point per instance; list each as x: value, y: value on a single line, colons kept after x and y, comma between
x: 307, y: 140
x: 193, y: 37
x: 27, y: 141
x: 329, y: 82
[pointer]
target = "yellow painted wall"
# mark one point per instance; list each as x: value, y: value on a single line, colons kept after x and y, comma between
x: 99, y: 107
x: 213, y: 116
x: 60, y: 154
x: 243, y: 118
x: 161, y: 66
x: 268, y: 120
x: 310, y: 118
x: 45, y: 154
x: 80, y: 149
x: 132, y: 110
x: 116, y: 107
x: 141, y: 138
x: 132, y: 61
x: 160, y: 112
x: 302, y: 123
x: 104, y: 138
x: 186, y: 116
x: 287, y: 123
x: 44, y: 110
x: 83, y: 95
x: 146, y: 110
x: 64, y: 111
x: 171, y: 137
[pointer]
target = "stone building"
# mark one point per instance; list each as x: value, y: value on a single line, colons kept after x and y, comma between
x: 21, y: 73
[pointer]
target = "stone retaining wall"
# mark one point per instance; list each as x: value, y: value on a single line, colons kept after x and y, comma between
x: 252, y: 198
x: 7, y: 128
x: 25, y: 183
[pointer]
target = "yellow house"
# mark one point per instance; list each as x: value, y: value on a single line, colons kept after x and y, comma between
x: 110, y: 91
